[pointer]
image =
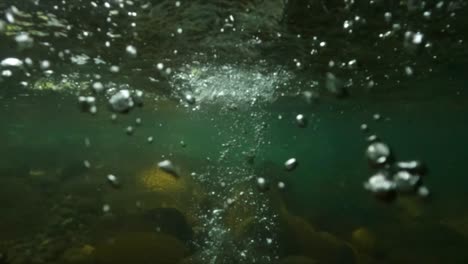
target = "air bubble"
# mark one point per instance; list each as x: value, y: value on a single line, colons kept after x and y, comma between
x: 97, y: 87
x: 381, y: 186
x: 106, y: 208
x: 262, y: 184
x: 167, y: 166
x: 281, y: 185
x: 291, y: 164
x: 113, y: 180
x: 378, y: 153
x: 121, y: 101
x: 24, y: 40
x: 129, y: 130
x: 11, y: 62
x: 131, y: 50
x: 189, y: 98
x: 406, y: 182
x: 301, y: 120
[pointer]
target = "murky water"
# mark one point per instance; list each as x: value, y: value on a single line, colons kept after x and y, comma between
x: 198, y: 167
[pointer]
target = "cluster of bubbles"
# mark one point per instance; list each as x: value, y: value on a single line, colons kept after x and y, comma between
x: 392, y: 177
x: 120, y: 100
x: 227, y: 84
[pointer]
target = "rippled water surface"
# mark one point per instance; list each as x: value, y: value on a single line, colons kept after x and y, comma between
x: 143, y: 135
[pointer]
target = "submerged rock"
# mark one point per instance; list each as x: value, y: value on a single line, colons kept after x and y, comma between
x: 300, y: 238
x: 82, y: 255
x: 141, y: 248
x: 297, y: 260
x: 170, y: 221
x: 363, y: 239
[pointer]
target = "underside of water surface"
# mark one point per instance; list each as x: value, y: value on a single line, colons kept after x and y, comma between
x: 219, y: 132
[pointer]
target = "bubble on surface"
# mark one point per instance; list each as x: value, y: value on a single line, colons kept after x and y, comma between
x: 7, y: 73
x: 149, y: 139
x: 11, y: 62
x: 228, y: 84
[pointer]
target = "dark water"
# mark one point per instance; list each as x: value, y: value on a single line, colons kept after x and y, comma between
x: 58, y: 205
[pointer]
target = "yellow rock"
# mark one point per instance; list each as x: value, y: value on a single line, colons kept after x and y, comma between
x: 87, y: 250
x: 157, y: 180
x: 411, y: 207
x: 363, y: 239
x: 306, y: 240
x: 458, y: 224
x: 164, y: 190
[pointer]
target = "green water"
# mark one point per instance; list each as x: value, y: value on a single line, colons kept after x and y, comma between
x: 247, y: 64
x: 47, y: 133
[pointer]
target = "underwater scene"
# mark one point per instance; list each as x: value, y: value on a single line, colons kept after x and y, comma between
x: 233, y: 131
